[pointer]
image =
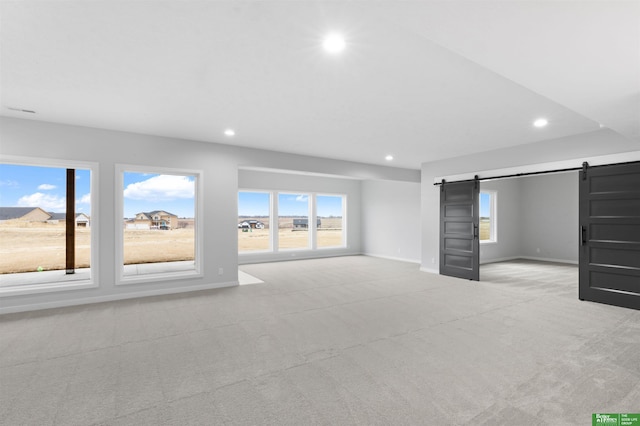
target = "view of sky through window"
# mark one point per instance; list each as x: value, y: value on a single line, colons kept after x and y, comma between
x: 44, y: 187
x: 145, y: 192
x: 257, y: 204
x: 485, y: 204
x: 329, y: 206
x: 293, y: 204
x: 253, y: 204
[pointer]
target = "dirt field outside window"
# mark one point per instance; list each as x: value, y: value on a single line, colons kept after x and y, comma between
x: 26, y: 246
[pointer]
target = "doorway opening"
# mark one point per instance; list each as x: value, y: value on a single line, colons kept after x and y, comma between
x: 529, y: 230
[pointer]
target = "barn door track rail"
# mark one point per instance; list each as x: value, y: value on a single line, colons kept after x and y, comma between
x: 585, y: 166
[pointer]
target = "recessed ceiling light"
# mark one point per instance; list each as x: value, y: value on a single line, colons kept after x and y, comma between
x: 389, y: 157
x: 230, y: 132
x: 540, y: 122
x: 334, y: 43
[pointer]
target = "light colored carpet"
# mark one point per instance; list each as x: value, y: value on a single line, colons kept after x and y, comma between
x: 351, y: 340
x: 246, y: 279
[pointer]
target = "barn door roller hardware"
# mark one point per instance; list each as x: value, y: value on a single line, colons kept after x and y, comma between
x: 585, y: 166
x: 442, y: 187
x: 476, y: 181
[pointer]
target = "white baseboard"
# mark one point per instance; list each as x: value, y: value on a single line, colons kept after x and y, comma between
x: 544, y: 259
x: 499, y: 259
x: 430, y: 270
x: 113, y: 297
x: 541, y: 259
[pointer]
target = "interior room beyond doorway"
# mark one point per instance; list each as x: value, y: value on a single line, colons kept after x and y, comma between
x: 533, y: 218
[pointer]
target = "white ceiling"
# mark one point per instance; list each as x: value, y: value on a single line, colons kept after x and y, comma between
x: 422, y: 80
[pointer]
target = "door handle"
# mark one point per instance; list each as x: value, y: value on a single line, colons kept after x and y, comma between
x: 475, y: 231
x: 583, y: 235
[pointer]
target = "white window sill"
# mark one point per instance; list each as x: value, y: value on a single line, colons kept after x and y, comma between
x: 161, y: 271
x: 241, y: 253
x: 45, y: 282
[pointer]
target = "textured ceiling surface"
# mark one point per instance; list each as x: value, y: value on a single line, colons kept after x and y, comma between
x: 421, y: 81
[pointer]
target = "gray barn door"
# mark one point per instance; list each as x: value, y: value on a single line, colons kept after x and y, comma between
x: 459, y: 238
x: 610, y: 235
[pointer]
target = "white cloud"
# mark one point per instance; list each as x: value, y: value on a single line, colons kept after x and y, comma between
x: 161, y: 188
x: 44, y: 201
x: 302, y: 198
x: 46, y: 187
x: 85, y: 199
x: 8, y: 182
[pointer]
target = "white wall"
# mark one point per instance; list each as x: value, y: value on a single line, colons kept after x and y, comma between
x: 576, y: 148
x: 219, y: 163
x: 252, y: 179
x: 537, y: 218
x: 549, y: 206
x: 391, y: 220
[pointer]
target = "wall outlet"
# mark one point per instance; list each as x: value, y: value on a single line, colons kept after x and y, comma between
x: 220, y: 271
x: 433, y: 260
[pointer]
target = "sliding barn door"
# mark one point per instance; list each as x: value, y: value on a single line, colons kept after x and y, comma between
x: 610, y: 235
x: 459, y: 238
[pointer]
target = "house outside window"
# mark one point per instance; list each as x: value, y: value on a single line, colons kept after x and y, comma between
x: 160, y: 236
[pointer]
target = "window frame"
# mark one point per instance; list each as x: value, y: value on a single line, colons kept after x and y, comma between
x: 343, y: 243
x: 196, y: 272
x: 493, y: 216
x: 312, y: 218
x: 67, y: 282
x: 272, y: 242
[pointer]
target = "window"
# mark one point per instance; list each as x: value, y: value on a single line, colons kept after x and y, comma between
x: 329, y: 209
x: 293, y: 221
x: 293, y: 226
x: 254, y: 221
x: 159, y: 233
x: 488, y: 229
x: 33, y: 226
